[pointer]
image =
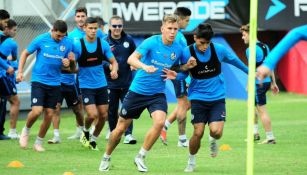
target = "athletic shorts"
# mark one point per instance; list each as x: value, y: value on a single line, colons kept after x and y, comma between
x: 70, y: 94
x: 207, y: 111
x: 7, y: 87
x: 134, y: 104
x: 180, y: 88
x: 98, y: 96
x: 261, y: 93
x: 44, y: 95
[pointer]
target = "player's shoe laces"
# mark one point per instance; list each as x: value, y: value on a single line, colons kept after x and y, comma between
x: 163, y: 136
x: 129, y: 139
x: 24, y: 139
x: 38, y: 148
x: 93, y: 146
x: 213, y: 148
x: 190, y: 168
x: 256, y: 137
x: 105, y: 164
x: 13, y: 135
x: 54, y: 140
x: 183, y: 143
x: 76, y: 136
x: 267, y: 141
x: 139, y: 162
x: 85, y: 140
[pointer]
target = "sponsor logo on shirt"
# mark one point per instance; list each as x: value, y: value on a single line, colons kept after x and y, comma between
x: 155, y: 62
x: 47, y: 55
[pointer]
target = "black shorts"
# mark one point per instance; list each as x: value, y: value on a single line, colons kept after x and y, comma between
x: 180, y: 87
x: 134, y: 104
x: 44, y: 95
x: 70, y: 94
x: 7, y: 87
x: 207, y: 112
x: 98, y: 96
x: 261, y: 93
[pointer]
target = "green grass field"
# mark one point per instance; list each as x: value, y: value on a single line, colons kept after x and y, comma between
x: 288, y: 157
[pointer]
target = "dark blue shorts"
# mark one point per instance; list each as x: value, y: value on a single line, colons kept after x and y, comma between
x: 207, y: 112
x: 7, y: 87
x: 134, y: 104
x: 180, y: 87
x: 44, y: 95
x: 98, y: 96
x: 261, y: 93
x: 70, y: 94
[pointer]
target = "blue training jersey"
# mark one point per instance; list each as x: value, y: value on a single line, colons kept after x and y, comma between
x: 7, y: 48
x: 213, y: 88
x: 92, y: 77
x: 259, y: 58
x: 47, y: 67
x: 294, y: 36
x: 159, y: 55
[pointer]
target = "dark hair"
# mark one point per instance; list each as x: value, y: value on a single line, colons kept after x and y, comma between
x: 81, y: 9
x: 60, y: 25
x: 182, y: 12
x: 100, y: 21
x: 90, y: 20
x: 204, y: 30
x: 4, y: 14
x: 11, y: 23
x: 245, y: 28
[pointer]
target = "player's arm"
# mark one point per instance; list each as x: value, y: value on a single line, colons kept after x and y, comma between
x: 134, y: 61
x: 23, y: 57
x: 114, y: 66
x: 274, y: 86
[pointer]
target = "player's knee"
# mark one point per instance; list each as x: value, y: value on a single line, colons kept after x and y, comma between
x: 217, y: 133
x: 198, y: 134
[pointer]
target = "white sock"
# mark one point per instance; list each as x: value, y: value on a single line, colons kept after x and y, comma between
x: 56, y: 133
x: 105, y: 155
x: 39, y: 141
x: 167, y: 124
x: 211, y: 139
x: 192, y: 159
x: 143, y: 152
x: 86, y: 130
x: 269, y: 135
x: 26, y: 130
x: 256, y: 130
x: 183, y: 137
x: 80, y: 128
x: 12, y: 130
x: 93, y: 138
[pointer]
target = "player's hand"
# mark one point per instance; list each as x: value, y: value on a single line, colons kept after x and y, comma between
x: 132, y: 68
x: 191, y: 63
x: 65, y: 62
x: 149, y: 69
x: 19, y: 77
x: 10, y: 70
x: 274, y: 88
x: 169, y: 74
x: 114, y: 74
x: 71, y: 56
x: 262, y: 72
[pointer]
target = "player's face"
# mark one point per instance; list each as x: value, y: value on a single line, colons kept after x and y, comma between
x: 116, y: 27
x: 183, y: 23
x: 57, y: 35
x: 201, y: 44
x: 91, y: 30
x: 80, y: 18
x: 169, y: 31
x: 11, y: 32
x: 245, y: 37
x: 3, y: 23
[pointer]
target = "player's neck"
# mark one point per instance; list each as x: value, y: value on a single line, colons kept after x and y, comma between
x: 89, y: 39
x: 166, y: 42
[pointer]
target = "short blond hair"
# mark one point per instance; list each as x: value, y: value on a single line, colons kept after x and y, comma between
x: 171, y: 18
x: 244, y: 28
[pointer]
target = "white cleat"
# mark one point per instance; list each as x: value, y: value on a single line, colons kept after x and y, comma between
x: 139, y: 162
x: 104, y: 164
x: 14, y: 136
x: 190, y: 168
x: 129, y: 139
x: 54, y: 140
x: 183, y: 144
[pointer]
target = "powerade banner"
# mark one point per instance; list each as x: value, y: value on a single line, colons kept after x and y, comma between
x: 144, y: 17
x: 282, y: 14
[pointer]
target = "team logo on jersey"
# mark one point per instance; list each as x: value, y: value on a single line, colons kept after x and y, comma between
x: 86, y: 100
x: 126, y: 44
x: 62, y: 48
x: 124, y: 111
x: 34, y: 100
x: 173, y: 56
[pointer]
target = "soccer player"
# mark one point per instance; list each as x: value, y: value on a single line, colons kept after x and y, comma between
x: 90, y: 52
x: 52, y: 49
x: 147, y: 89
x: 262, y: 51
x: 5, y: 68
x: 122, y: 46
x: 180, y: 112
x: 295, y: 35
x: 9, y: 52
x: 207, y: 89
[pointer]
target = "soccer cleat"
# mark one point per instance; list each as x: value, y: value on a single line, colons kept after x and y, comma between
x: 267, y: 141
x: 190, y: 168
x: 24, y: 139
x: 213, y: 149
x: 83, y: 139
x: 183, y: 143
x: 76, y: 136
x: 139, y: 162
x: 38, y: 148
x: 13, y: 135
x: 256, y: 137
x: 163, y: 136
x: 4, y: 137
x: 104, y: 164
x: 93, y: 146
x: 129, y: 139
x: 54, y: 140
